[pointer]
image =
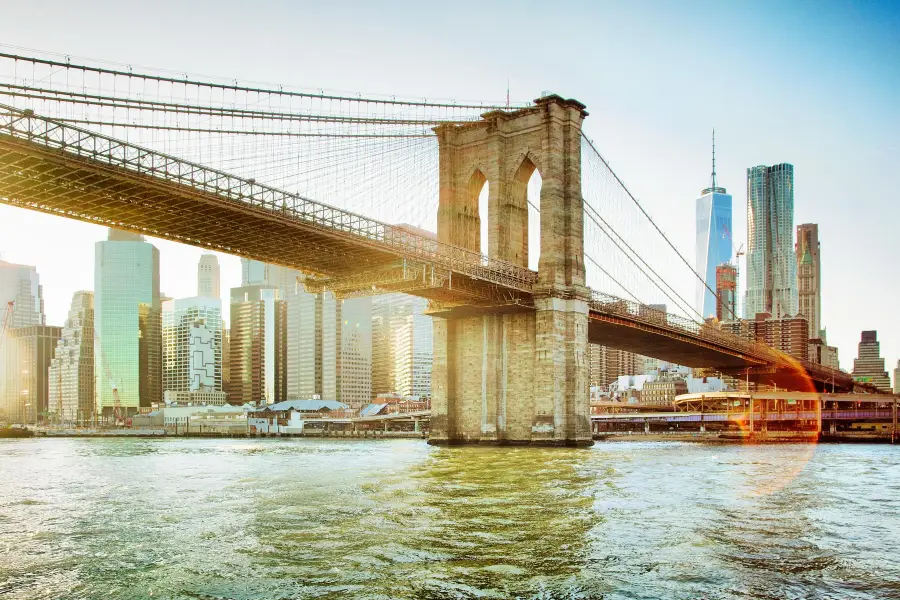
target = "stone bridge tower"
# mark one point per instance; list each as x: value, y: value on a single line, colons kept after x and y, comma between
x: 512, y: 375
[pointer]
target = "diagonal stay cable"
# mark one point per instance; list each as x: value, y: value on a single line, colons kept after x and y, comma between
x: 631, y: 258
x: 598, y: 265
x: 652, y: 222
x: 634, y: 252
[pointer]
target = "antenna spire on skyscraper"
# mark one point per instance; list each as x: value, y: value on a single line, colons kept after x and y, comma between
x: 714, y: 158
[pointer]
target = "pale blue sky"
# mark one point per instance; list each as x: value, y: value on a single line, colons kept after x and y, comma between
x: 816, y: 84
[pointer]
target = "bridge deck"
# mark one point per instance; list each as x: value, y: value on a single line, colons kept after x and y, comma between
x: 52, y: 167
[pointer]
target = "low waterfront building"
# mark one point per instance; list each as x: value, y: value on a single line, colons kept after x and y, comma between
x: 291, y: 416
x: 195, y: 397
x: 662, y: 393
x: 206, y: 419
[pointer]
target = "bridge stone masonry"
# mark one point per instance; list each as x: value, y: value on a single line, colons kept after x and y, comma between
x: 510, y: 376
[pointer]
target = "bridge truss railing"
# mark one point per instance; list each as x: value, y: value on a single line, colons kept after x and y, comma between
x: 710, y: 333
x: 26, y: 125
x: 606, y: 303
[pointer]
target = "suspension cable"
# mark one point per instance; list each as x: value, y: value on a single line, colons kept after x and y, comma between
x: 255, y: 90
x: 652, y: 222
x: 597, y: 264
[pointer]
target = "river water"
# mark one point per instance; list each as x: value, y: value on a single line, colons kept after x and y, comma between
x: 277, y: 519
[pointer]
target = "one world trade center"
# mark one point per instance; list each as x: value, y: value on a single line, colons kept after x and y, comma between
x: 714, y: 241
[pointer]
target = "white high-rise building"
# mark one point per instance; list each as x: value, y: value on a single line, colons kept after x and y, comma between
x: 356, y: 352
x: 256, y: 351
x: 192, y: 347
x: 19, y: 284
x: 402, y: 346
x: 71, y: 376
x: 208, y: 278
x: 771, y: 262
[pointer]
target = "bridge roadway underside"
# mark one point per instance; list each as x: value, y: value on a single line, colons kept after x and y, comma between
x: 61, y: 183
x: 664, y: 344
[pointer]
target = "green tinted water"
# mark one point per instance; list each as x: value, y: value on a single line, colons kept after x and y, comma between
x: 121, y: 518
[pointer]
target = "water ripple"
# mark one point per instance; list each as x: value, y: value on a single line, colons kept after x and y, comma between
x: 264, y: 519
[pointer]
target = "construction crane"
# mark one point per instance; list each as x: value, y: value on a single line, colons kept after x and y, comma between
x: 117, y: 404
x: 738, y: 253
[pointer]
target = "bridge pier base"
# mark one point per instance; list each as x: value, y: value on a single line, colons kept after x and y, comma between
x: 512, y: 378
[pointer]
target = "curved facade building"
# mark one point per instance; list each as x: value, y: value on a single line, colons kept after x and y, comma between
x: 771, y: 262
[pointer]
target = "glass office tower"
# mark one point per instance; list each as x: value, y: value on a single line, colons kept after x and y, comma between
x: 771, y: 263
x: 714, y: 240
x: 127, y: 324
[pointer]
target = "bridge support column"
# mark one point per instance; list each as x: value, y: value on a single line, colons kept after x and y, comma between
x: 512, y: 378
x: 518, y: 377
x: 561, y: 387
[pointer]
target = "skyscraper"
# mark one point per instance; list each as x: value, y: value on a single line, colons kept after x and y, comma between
x: 72, y: 368
x: 313, y: 343
x: 771, y: 264
x: 30, y: 350
x: 726, y: 292
x: 714, y: 239
x: 19, y: 284
x: 208, y: 280
x: 606, y: 364
x: 312, y: 320
x: 257, y: 345
x: 356, y: 352
x: 127, y: 324
x: 809, y: 277
x: 787, y: 334
x: 869, y: 366
x: 402, y: 346
x: 192, y: 350
x: 226, y: 359
x: 897, y: 378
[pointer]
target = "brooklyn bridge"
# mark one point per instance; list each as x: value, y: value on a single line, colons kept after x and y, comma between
x: 347, y: 190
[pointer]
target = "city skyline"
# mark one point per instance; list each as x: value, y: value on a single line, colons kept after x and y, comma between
x: 410, y: 299
x: 839, y: 153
